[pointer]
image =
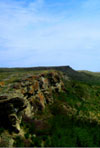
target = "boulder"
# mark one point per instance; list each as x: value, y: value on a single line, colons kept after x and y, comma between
x: 27, y: 96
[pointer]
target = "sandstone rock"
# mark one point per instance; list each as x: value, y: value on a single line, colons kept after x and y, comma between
x: 27, y: 96
x: 6, y: 140
x: 2, y: 84
x: 41, y: 99
x: 11, y: 107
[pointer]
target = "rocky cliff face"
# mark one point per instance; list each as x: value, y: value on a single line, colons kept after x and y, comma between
x: 27, y: 96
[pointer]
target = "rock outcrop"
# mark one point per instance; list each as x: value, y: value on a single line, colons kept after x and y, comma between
x: 27, y: 96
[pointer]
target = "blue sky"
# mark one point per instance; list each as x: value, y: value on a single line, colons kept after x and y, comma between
x: 50, y: 33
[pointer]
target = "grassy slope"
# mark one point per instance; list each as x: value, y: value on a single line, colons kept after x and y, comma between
x: 72, y: 120
x: 83, y: 76
x: 74, y: 117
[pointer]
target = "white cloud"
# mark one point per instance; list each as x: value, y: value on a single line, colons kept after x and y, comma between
x: 30, y: 35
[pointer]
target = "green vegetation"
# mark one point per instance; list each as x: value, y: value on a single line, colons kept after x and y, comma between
x: 19, y: 142
x: 1, y: 130
x: 65, y: 131
x: 73, y: 120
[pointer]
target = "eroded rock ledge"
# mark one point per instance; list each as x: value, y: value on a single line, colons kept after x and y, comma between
x: 27, y: 96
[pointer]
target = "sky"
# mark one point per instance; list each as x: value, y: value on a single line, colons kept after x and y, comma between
x: 50, y: 33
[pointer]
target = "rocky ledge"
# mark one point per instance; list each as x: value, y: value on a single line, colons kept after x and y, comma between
x: 27, y: 96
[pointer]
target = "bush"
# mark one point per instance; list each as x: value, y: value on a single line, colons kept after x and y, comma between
x: 1, y: 130
x: 19, y: 142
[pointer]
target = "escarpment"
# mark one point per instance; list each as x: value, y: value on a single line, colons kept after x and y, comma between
x: 27, y: 96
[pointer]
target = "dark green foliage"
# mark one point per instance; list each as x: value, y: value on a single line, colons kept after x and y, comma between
x: 67, y: 127
x: 27, y: 135
x: 28, y: 127
x: 1, y: 130
x: 19, y: 142
x: 66, y: 132
x: 73, y: 120
x: 69, y: 124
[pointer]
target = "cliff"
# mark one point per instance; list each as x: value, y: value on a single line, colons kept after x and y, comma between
x: 49, y: 108
x: 27, y: 96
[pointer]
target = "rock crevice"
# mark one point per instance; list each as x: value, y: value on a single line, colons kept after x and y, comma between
x: 27, y: 96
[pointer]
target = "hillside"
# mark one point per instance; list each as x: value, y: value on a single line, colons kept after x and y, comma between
x: 83, y: 76
x: 49, y: 107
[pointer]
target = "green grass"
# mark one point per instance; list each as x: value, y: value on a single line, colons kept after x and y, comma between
x: 73, y: 120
